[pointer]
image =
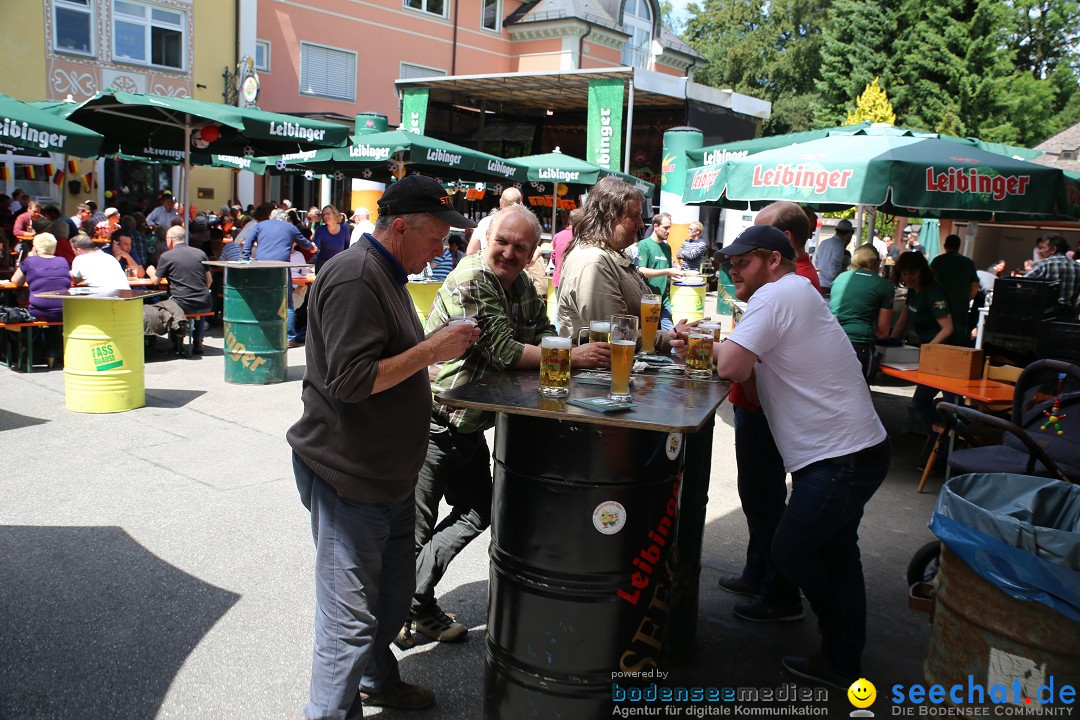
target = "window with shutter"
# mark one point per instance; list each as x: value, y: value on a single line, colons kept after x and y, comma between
x: 327, y: 72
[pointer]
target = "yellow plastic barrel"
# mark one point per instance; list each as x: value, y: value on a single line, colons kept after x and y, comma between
x: 423, y: 295
x: 103, y: 355
x: 688, y: 301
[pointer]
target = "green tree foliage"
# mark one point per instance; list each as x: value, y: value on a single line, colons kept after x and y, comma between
x: 770, y: 50
x: 856, y: 45
x: 872, y: 106
x: 1003, y: 71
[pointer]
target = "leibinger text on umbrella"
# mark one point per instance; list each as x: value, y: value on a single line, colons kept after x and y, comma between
x: 970, y: 180
x: 703, y: 179
x: 295, y: 130
x: 242, y: 162
x: 502, y: 168
x: 369, y: 151
x: 556, y: 174
x: 798, y: 176
x: 303, y: 155
x: 23, y: 131
x: 162, y: 152
x: 442, y: 156
x: 718, y: 156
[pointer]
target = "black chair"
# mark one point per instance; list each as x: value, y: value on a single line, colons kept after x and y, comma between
x: 1026, y: 448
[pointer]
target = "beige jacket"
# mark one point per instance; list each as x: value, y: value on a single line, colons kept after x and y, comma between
x: 597, y: 283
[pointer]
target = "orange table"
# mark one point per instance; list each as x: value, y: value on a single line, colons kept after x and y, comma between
x: 989, y: 392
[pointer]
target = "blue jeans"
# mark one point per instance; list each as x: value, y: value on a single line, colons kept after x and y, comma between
x: 666, y: 321
x: 762, y: 483
x: 290, y: 317
x: 817, y: 545
x: 363, y: 582
x: 457, y: 466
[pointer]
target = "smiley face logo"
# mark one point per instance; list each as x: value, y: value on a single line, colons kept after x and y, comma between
x: 862, y: 693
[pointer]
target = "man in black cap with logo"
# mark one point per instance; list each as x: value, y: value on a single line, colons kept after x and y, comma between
x: 361, y: 441
x: 826, y: 430
x: 829, y: 257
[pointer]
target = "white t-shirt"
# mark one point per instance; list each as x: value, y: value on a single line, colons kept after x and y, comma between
x: 808, y: 378
x: 361, y: 227
x: 482, y: 230
x: 100, y: 270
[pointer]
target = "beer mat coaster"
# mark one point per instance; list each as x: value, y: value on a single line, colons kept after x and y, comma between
x: 654, y: 359
x: 596, y: 377
x: 601, y: 404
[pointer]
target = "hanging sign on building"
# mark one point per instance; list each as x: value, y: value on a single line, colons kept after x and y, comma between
x: 604, y: 136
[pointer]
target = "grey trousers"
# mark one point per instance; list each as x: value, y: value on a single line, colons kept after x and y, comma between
x: 363, y: 582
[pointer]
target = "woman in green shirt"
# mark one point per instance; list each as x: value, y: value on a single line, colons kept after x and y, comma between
x: 927, y: 309
x: 862, y: 302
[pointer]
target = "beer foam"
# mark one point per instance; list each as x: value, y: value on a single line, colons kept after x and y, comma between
x: 554, y: 341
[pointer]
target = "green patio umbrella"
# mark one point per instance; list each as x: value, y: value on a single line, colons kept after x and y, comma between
x: 384, y: 156
x: 141, y: 121
x: 26, y: 127
x: 902, y: 175
x: 546, y: 171
x: 715, y: 154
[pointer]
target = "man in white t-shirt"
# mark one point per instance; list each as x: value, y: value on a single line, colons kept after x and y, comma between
x: 95, y: 267
x: 791, y: 349
x: 361, y: 218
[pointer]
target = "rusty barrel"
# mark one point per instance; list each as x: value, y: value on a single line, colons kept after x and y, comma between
x: 583, y: 527
x: 981, y: 632
x: 255, y: 312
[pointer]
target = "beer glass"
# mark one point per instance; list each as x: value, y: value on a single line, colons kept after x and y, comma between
x: 598, y: 331
x: 624, y: 332
x: 712, y: 327
x: 650, y: 320
x: 555, y: 366
x: 699, y: 355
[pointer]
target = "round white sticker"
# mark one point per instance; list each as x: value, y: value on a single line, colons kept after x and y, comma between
x: 609, y: 517
x: 674, y: 445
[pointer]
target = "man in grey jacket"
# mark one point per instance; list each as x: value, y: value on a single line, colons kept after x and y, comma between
x: 360, y: 443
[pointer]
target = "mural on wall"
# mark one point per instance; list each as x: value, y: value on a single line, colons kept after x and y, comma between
x: 81, y: 76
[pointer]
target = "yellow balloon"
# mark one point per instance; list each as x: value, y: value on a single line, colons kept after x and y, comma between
x: 862, y: 693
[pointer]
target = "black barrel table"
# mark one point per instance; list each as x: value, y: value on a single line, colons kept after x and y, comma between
x: 254, y: 318
x: 585, y: 561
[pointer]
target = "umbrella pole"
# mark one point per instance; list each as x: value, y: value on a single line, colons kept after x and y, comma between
x: 187, y: 180
x: 554, y: 206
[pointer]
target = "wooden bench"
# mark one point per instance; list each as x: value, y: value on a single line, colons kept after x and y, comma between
x: 188, y: 343
x: 27, y: 341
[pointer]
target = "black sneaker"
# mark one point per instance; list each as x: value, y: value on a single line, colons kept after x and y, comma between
x: 437, y: 625
x: 739, y: 585
x: 817, y: 670
x: 761, y: 611
x: 403, y: 696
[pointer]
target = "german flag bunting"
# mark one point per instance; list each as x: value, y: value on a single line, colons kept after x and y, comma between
x: 73, y: 167
x: 87, y: 183
x: 58, y: 177
x: 30, y: 172
x: 49, y: 170
x: 3, y: 171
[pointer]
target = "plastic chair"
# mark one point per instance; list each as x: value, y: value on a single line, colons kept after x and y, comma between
x: 1030, y: 444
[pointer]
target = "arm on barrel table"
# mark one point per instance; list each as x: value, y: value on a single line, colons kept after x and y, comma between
x: 734, y: 362
x: 589, y: 355
x: 18, y: 279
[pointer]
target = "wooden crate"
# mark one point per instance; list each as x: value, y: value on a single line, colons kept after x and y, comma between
x: 951, y: 361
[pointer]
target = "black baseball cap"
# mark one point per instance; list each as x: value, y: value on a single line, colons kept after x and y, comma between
x: 759, y: 237
x: 421, y: 194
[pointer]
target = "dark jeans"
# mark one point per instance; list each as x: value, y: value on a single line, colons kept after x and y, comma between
x: 923, y: 402
x: 817, y: 544
x: 762, y: 483
x: 457, y: 466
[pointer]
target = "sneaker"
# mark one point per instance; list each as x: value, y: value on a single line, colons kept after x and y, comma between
x: 761, y: 611
x: 437, y: 625
x: 739, y: 585
x: 817, y: 670
x: 403, y: 696
x: 295, y: 343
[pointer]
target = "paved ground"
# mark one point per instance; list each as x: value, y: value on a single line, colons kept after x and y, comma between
x: 158, y: 563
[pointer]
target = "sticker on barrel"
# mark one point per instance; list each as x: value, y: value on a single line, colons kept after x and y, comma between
x: 609, y: 517
x: 105, y: 356
x: 673, y: 445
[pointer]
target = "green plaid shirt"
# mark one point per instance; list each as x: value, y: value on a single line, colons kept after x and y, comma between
x: 508, y: 321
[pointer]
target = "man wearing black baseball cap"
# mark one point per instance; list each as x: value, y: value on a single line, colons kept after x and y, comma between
x: 361, y: 441
x: 790, y: 349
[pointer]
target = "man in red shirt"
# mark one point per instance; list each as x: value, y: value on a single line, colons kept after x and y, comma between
x: 24, y: 223
x: 762, y: 480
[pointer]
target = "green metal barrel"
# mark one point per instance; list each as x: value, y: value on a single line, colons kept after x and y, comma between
x: 725, y: 292
x: 255, y: 306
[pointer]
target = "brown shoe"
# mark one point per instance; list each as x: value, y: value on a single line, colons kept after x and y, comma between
x: 197, y: 347
x: 403, y: 696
